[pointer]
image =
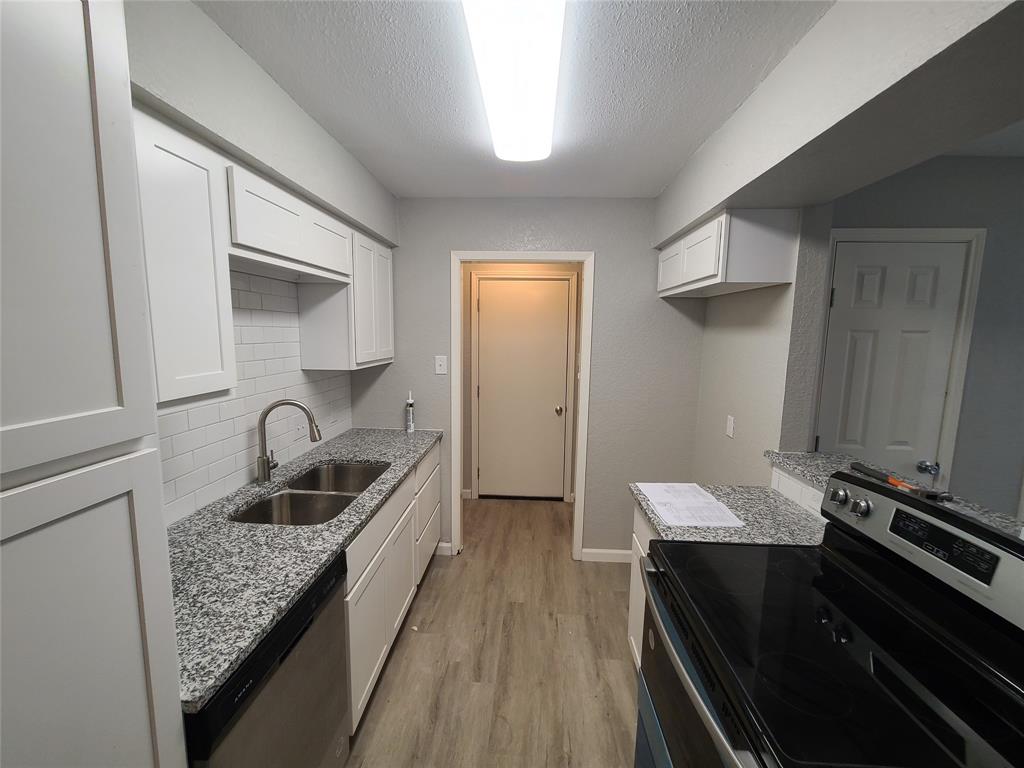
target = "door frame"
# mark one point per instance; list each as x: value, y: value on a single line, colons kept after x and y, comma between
x: 583, y: 389
x: 975, y: 241
x: 570, y: 371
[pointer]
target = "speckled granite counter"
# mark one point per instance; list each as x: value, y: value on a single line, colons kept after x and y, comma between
x: 768, y: 518
x: 233, y: 581
x: 816, y: 468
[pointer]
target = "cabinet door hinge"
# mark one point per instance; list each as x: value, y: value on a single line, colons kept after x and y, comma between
x: 478, y: 391
x: 478, y: 473
x: 817, y: 440
x: 477, y: 303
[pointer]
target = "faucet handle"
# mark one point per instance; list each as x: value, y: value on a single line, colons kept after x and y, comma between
x: 273, y: 463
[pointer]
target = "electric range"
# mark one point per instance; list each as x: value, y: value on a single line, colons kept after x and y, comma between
x: 896, y: 642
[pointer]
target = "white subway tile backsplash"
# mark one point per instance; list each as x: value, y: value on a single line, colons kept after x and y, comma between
x: 208, y: 445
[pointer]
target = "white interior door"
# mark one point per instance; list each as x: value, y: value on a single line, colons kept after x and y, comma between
x: 522, y: 348
x: 887, y: 359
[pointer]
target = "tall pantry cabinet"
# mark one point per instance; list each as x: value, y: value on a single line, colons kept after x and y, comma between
x: 89, y: 665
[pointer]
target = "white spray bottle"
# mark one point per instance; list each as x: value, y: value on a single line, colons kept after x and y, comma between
x: 410, y: 424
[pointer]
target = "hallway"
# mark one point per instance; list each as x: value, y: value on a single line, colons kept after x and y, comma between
x: 513, y: 654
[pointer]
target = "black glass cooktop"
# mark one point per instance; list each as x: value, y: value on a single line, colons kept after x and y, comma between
x: 831, y: 673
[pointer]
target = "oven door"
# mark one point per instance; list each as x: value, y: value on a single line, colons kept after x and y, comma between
x: 680, y: 729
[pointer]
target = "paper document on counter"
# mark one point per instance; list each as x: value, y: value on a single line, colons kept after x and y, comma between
x: 688, y: 504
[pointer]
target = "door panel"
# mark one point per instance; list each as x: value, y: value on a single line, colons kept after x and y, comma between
x: 185, y: 225
x: 383, y: 303
x: 889, y: 347
x: 401, y: 568
x: 263, y: 216
x: 87, y: 663
x: 522, y: 354
x: 364, y: 312
x: 71, y: 241
x: 368, y: 636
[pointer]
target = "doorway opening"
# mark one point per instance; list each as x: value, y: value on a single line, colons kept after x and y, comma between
x: 896, y: 347
x: 521, y: 324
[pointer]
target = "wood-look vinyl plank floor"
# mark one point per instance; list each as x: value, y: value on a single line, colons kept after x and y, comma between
x: 513, y: 655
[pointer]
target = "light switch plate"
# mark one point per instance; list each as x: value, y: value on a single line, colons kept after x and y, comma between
x: 730, y: 426
x: 441, y: 365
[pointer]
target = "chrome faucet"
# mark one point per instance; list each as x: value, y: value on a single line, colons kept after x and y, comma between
x: 265, y: 461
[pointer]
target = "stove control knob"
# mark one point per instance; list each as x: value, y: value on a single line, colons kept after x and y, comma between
x: 860, y: 507
x: 839, y: 496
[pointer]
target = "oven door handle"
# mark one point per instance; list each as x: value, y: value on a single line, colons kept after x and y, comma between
x: 725, y: 750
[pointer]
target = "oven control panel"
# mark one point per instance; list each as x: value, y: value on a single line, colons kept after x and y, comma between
x: 985, y: 573
x: 977, y: 562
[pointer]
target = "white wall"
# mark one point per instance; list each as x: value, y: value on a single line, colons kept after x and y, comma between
x: 208, y: 443
x: 854, y: 53
x: 988, y: 463
x: 182, y: 63
x: 744, y: 355
x: 645, y: 351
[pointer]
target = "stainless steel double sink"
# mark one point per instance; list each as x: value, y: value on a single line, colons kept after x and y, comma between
x: 316, y: 496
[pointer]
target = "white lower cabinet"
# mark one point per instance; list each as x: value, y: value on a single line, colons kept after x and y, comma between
x: 368, y: 635
x: 643, y: 532
x: 401, y: 569
x: 385, y: 563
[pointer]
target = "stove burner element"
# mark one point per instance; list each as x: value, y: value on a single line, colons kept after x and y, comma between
x: 804, y: 685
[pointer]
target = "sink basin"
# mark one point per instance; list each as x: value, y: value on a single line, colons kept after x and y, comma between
x: 339, y: 478
x: 295, y: 509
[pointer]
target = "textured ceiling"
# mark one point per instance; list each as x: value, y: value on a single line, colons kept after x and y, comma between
x: 641, y: 85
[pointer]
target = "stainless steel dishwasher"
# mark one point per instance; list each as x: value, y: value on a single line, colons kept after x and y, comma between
x: 287, y: 704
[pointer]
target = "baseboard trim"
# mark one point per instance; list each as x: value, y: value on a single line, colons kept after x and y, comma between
x: 467, y: 493
x: 444, y: 548
x: 606, y: 555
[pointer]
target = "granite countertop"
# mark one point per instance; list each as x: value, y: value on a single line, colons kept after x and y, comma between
x: 768, y: 518
x: 233, y: 581
x: 816, y: 468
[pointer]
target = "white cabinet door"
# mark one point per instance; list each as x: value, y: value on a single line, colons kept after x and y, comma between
x: 427, y: 543
x: 328, y: 242
x: 670, y: 267
x: 363, y: 310
x: 701, y: 251
x: 383, y: 302
x: 401, y: 569
x: 71, y: 243
x: 637, y: 602
x: 89, y: 667
x: 264, y: 216
x: 185, y: 228
x: 368, y: 633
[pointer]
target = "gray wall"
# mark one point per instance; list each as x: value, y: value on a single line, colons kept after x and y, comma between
x: 972, y: 192
x: 645, y: 353
x: 183, y: 64
x: 807, y: 335
x: 743, y: 374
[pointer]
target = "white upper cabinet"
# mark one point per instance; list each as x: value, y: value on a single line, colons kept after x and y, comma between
x: 185, y: 229
x: 266, y: 218
x: 343, y: 328
x: 74, y: 343
x: 263, y: 216
x: 329, y: 243
x: 364, y: 289
x: 736, y: 251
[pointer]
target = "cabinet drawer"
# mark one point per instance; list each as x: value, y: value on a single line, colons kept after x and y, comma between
x: 429, y: 497
x: 328, y: 243
x: 426, y: 466
x: 263, y: 216
x: 701, y: 250
x: 364, y: 547
x: 427, y: 543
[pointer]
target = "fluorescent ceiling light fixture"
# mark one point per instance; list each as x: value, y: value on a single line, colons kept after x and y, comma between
x: 517, y: 45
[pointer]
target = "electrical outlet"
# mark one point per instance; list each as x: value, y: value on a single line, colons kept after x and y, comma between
x: 730, y: 426
x: 441, y: 365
